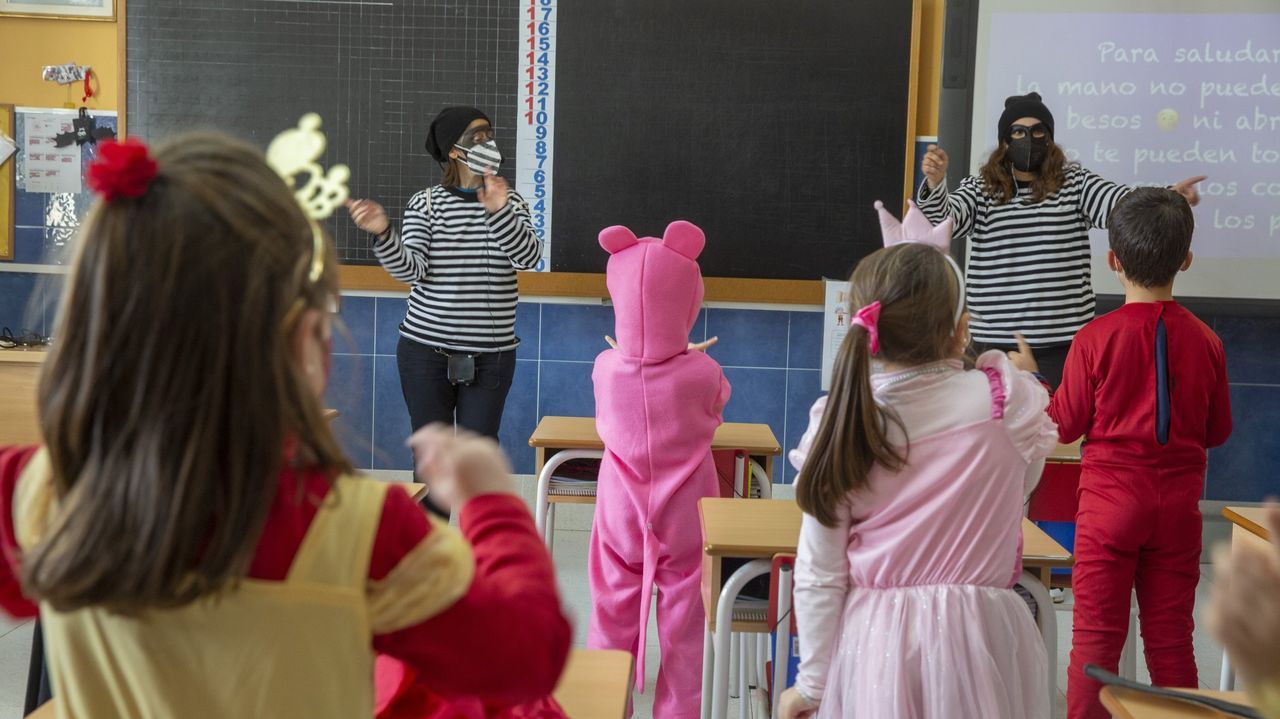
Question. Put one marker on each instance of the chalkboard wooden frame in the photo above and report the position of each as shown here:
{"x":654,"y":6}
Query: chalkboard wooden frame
{"x":592,"y":285}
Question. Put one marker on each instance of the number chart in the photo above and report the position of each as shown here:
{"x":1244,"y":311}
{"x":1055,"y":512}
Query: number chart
{"x":535,"y":119}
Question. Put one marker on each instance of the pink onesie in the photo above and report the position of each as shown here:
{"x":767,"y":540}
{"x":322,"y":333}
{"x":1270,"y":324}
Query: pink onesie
{"x":657,"y":408}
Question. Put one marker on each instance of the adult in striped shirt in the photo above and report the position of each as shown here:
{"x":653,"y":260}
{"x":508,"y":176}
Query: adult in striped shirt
{"x":1027,"y":216}
{"x":458,"y":247}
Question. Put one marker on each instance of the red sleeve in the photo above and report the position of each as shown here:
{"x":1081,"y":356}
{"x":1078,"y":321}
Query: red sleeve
{"x":1219,"y":426}
{"x":12,"y":600}
{"x":402,"y":526}
{"x":1071,"y":406}
{"x":506,"y":639}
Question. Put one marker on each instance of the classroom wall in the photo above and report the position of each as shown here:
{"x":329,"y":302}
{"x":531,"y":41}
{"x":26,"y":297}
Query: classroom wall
{"x":28,"y":44}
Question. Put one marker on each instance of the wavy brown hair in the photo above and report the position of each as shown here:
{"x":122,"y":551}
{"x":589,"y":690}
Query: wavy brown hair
{"x":917,"y":291}
{"x":172,"y":392}
{"x":997,"y":174}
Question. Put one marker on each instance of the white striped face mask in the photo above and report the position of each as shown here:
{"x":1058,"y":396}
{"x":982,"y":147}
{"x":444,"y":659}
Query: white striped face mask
{"x":483,"y":158}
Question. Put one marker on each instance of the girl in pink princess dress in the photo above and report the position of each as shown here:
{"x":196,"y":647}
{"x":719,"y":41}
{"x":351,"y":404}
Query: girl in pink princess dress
{"x":912,"y":477}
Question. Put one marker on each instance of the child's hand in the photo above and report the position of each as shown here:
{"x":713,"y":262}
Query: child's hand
{"x":702,"y":346}
{"x":793,"y":706}
{"x":1243,"y":612}
{"x":1187,"y":188}
{"x":493,"y":193}
{"x":461,"y":466}
{"x":1022,"y":358}
{"x":368,"y":216}
{"x":612,"y":342}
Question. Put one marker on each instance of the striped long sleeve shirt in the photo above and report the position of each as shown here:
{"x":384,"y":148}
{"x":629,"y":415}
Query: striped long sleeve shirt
{"x":461,"y":262}
{"x":1029,"y":268}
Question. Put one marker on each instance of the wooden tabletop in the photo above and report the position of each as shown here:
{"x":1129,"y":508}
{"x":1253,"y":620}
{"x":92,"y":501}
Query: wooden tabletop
{"x":580,"y":433}
{"x":26,"y":355}
{"x":761,"y":528}
{"x":1066,"y":453}
{"x":596,"y":684}
{"x":1250,"y":518}
{"x":1128,"y":704}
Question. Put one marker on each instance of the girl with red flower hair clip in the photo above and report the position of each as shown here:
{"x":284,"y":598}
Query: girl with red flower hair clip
{"x":194,"y":538}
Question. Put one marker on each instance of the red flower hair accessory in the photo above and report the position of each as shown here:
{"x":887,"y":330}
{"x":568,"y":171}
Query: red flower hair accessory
{"x":122,"y":169}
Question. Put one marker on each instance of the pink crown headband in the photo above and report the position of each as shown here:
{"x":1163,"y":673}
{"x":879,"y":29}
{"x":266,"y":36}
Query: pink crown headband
{"x":915,"y":227}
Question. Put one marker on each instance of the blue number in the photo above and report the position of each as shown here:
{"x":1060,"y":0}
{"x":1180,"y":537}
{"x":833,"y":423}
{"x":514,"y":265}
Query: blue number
{"x":542,"y":264}
{"x":540,"y":147}
{"x":543,"y":88}
{"x":539,"y":175}
{"x":542,"y":161}
{"x":541,"y":117}
{"x":546,"y":14}
{"x":543,"y":73}
{"x":544,"y":29}
{"x":543,"y":59}
{"x":544,"y":43}
{"x":540,"y":131}
{"x":546,"y":3}
{"x":539,"y":222}
{"x":540,"y":205}
{"x":539,"y":191}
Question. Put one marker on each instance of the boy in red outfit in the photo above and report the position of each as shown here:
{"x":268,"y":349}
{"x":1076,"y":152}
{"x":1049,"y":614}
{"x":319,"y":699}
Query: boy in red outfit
{"x":1147,"y":387}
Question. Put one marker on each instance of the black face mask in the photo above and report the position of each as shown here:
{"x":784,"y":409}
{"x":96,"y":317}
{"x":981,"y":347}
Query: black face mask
{"x":1028,"y":153}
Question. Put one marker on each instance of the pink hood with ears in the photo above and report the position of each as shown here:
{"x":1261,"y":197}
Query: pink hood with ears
{"x":656,"y":287}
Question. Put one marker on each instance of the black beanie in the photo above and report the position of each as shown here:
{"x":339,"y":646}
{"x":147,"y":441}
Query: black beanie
{"x":1028,"y":105}
{"x":448,"y":127}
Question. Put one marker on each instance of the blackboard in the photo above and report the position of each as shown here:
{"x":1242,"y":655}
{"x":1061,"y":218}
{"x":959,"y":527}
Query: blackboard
{"x":773,"y":125}
{"x":375,"y":70}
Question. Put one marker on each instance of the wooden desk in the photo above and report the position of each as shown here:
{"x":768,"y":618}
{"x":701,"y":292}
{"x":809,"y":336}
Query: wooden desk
{"x":19,"y":373}
{"x":561,"y":439}
{"x":1128,"y":704}
{"x":1065,"y":453}
{"x":596,"y":684}
{"x":554,"y":434}
{"x":762,"y":529}
{"x":1248,"y":528}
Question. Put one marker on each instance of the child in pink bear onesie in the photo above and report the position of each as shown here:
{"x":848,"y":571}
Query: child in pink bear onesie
{"x":658,"y":404}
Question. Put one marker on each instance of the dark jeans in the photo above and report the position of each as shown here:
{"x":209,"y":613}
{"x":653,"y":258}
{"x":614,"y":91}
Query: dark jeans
{"x":1051,"y":359}
{"x":431,"y":398}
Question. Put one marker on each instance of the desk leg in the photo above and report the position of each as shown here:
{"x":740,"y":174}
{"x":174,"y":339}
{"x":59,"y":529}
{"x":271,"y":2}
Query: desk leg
{"x":724,"y":630}
{"x":1047,"y":618}
{"x":782,"y":647}
{"x":708,"y":659}
{"x":1227,"y":682}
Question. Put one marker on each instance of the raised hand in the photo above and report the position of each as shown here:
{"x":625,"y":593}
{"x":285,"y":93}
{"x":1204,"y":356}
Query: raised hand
{"x":493,"y":193}
{"x":1022,"y":358}
{"x":368,"y":215}
{"x":934,"y":166}
{"x":1187,"y":188}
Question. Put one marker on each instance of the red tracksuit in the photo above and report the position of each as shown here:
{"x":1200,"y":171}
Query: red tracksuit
{"x":1147,"y":387}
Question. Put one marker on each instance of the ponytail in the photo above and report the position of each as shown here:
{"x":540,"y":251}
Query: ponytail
{"x":852,"y":437}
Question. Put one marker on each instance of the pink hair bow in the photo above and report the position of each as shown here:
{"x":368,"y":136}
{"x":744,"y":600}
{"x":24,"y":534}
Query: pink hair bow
{"x":869,"y":318}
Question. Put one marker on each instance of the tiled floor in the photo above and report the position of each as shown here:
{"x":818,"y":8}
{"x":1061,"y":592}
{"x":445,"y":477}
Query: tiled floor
{"x":571,"y":543}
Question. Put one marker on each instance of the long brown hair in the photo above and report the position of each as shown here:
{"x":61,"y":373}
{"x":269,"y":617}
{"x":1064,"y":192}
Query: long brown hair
{"x":997,"y":175}
{"x":172,"y":392}
{"x":917,"y":293}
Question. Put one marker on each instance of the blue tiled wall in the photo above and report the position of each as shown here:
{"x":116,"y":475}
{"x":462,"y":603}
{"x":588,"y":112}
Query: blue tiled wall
{"x":770,"y":357}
